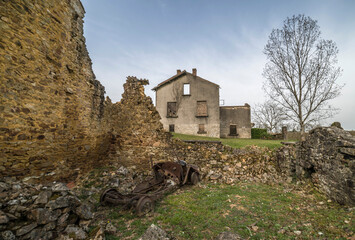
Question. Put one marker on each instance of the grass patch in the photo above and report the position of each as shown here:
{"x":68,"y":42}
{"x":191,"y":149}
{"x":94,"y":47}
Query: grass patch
{"x":235,"y":143}
{"x":254,"y":211}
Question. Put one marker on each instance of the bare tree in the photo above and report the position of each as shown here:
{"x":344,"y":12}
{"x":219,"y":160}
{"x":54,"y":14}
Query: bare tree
{"x":301,"y":71}
{"x":269,"y":115}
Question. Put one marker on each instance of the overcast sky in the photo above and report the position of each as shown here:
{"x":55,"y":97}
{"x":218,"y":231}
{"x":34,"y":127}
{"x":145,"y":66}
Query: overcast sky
{"x":223,"y":39}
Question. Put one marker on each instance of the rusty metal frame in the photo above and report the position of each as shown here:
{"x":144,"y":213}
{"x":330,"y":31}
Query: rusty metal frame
{"x":146,"y":193}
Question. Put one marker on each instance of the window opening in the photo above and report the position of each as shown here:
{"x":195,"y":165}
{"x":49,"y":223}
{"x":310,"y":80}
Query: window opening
{"x":172,"y":109}
{"x":201,"y":129}
{"x":201,"y":110}
{"x":171,"y":128}
{"x":186,"y":88}
{"x":233,"y":130}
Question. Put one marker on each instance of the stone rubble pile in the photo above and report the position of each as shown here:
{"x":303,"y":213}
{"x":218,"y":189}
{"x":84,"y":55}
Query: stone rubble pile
{"x":41,"y":212}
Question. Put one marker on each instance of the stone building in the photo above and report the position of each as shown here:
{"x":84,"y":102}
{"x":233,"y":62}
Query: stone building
{"x":189,"y":104}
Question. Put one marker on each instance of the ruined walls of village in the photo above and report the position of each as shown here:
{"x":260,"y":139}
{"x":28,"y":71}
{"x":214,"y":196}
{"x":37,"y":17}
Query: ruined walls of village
{"x":136,"y":128}
{"x":327,"y":157}
{"x":50,"y":102}
{"x":53,"y":116}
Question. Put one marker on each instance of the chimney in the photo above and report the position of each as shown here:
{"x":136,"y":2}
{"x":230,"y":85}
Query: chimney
{"x":178,"y":71}
{"x":194,"y":71}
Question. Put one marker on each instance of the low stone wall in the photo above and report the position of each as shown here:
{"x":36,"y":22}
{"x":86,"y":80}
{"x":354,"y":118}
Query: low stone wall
{"x":41,"y":212}
{"x":327,"y":157}
{"x":224,"y":164}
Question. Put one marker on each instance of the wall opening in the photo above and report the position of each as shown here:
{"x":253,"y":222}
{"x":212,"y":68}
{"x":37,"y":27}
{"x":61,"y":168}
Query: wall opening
{"x":201,"y":129}
{"x":309,"y":171}
{"x":171,"y":109}
{"x":233,"y":130}
{"x":186,"y":88}
{"x":201,"y":110}
{"x":171,"y":128}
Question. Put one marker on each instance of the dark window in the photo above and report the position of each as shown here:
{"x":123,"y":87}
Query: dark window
{"x":171,"y":112}
{"x":233,"y":130}
{"x":186,"y":88}
{"x":201,"y":129}
{"x":171,"y":128}
{"x":201,"y":110}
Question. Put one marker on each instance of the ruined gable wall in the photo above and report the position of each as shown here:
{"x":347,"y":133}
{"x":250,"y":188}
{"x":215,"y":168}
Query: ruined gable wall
{"x":50,"y":103}
{"x":135,"y":125}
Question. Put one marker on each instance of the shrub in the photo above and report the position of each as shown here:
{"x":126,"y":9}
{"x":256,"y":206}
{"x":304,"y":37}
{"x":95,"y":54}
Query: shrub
{"x":258,"y":133}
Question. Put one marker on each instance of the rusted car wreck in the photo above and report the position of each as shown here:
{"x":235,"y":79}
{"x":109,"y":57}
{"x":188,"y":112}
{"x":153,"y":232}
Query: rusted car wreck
{"x":167,"y":176}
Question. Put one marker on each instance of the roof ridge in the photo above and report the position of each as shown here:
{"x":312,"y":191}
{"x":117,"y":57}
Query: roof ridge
{"x":178,"y":75}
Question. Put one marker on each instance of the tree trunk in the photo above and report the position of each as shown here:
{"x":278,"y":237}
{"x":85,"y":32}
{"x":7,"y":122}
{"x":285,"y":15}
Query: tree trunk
{"x":303,"y":135}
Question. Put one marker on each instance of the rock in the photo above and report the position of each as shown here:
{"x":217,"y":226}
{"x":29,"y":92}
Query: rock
{"x":73,"y":202}
{"x":75,"y":232}
{"x":59,"y":187}
{"x":69,"y":90}
{"x":215,"y":176}
{"x":60,"y":202}
{"x":7,"y":235}
{"x":3,"y":187}
{"x":154,"y":233}
{"x":228,"y":236}
{"x":110,"y":228}
{"x":62,"y":220}
{"x":49,"y":226}
{"x":122,"y":170}
{"x":84,"y":224}
{"x":99,"y":235}
{"x":156,"y":144}
{"x":25,"y":229}
{"x":47,"y":236}
{"x":84,"y":212}
{"x":3,"y":218}
{"x":16,"y":187}
{"x":70,"y":185}
{"x":13,"y":202}
{"x":297,"y":232}
{"x":44,"y":216}
{"x":43,"y":197}
{"x":35,"y":234}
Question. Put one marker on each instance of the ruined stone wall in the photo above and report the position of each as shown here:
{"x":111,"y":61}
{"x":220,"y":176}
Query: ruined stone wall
{"x":135,"y":126}
{"x":327,"y":157}
{"x":50,"y":103}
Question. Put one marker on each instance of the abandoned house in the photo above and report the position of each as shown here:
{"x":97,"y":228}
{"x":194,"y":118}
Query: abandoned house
{"x":189,"y":104}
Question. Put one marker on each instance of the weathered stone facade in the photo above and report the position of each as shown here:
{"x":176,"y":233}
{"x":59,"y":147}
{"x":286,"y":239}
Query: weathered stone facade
{"x":237,"y":117}
{"x":189,"y":104}
{"x":186,"y":118}
{"x":54,"y":120}
{"x":327,"y":157}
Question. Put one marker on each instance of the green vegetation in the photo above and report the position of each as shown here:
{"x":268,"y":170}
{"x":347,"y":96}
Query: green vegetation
{"x":236,"y":143}
{"x":254,"y":211}
{"x":258,"y":133}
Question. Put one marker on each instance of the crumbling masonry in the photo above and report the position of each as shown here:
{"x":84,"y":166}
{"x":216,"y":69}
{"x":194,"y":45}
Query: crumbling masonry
{"x":53,"y":115}
{"x":56,"y":124}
